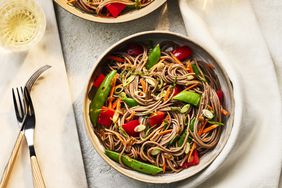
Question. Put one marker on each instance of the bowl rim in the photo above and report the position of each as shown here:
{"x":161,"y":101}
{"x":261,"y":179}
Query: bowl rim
{"x":227,"y":69}
{"x":120,"y":19}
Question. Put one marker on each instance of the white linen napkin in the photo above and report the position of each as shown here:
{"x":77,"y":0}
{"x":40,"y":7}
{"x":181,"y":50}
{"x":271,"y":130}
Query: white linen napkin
{"x":56,"y":138}
{"x":229,"y":29}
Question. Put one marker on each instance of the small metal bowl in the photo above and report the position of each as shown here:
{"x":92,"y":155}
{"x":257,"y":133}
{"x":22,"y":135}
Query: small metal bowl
{"x":230,"y":101}
{"x":131,"y":15}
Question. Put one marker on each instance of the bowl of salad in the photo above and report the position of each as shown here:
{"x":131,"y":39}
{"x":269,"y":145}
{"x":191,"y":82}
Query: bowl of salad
{"x":110,"y":11}
{"x":159,"y":108}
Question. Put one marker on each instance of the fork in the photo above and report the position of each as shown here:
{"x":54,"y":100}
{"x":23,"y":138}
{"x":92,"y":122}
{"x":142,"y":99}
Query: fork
{"x":29,"y":126}
{"x":20,"y":114}
{"x":35,"y":76}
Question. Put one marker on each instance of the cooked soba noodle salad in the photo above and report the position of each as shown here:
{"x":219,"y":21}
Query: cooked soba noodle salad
{"x":108,"y":8}
{"x":158,"y":108}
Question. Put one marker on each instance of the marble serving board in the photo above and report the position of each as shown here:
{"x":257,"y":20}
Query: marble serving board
{"x":56,"y":139}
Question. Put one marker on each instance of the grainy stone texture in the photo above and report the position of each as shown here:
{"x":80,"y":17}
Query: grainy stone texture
{"x":83,"y":41}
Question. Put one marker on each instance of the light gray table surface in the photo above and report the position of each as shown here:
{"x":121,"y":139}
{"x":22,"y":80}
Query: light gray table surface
{"x":82,"y":42}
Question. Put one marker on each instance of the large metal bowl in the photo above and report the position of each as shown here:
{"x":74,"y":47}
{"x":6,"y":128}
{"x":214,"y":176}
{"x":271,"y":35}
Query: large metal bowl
{"x":132,"y":15}
{"x":230,"y":102}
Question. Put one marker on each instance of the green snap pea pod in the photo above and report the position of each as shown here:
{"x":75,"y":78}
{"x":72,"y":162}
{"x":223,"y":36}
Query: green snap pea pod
{"x":191,"y":126}
{"x":183,"y":135}
{"x":100,"y":97}
{"x":134,"y":164}
{"x":154,"y":57}
{"x":129,"y":101}
{"x":197,"y":72}
{"x":215,"y":123}
{"x":195,"y":69}
{"x":188,"y":97}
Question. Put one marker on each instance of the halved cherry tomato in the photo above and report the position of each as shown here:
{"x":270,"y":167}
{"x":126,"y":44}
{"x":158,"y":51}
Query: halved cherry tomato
{"x":156,"y":118}
{"x":105,"y":117}
{"x":177,"y":90}
{"x":220,"y":95}
{"x":134,"y":49}
{"x":130,"y":126}
{"x":115,"y":8}
{"x":193,"y":161}
{"x":99,"y":80}
{"x":182,"y":52}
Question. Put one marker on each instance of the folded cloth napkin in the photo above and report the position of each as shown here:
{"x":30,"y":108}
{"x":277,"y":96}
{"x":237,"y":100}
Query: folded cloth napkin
{"x":230,"y":30}
{"x":56,"y":138}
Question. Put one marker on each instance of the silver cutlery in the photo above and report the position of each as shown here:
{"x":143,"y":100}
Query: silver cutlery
{"x":29,"y":126}
{"x":35,"y":76}
{"x":20,"y":114}
{"x":20,"y":111}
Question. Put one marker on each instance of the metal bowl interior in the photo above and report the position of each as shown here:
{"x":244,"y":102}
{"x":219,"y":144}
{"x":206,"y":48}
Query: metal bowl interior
{"x":131,"y":15}
{"x":200,"y":53}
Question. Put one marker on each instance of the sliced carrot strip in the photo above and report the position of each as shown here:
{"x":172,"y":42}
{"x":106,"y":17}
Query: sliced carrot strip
{"x":131,"y":116}
{"x":113,"y":85}
{"x":143,"y":84}
{"x":176,"y":60}
{"x":115,"y":104}
{"x":200,"y":132}
{"x":191,"y":151}
{"x":191,"y":87}
{"x":225,"y":112}
{"x":165,"y":132}
{"x":164,"y":167}
{"x":189,"y":67}
{"x":208,"y":129}
{"x":167,"y":94}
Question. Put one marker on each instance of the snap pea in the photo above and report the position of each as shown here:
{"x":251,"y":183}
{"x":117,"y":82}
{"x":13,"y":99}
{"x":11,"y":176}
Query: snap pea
{"x":100,"y":97}
{"x":188,"y":97}
{"x":215,"y":123}
{"x":195,"y":69}
{"x":154,"y":57}
{"x":183,"y":135}
{"x":197,"y":72}
{"x":134,"y":164}
{"x":129,"y":101}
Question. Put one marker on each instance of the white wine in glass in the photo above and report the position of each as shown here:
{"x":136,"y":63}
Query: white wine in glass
{"x":22,"y":24}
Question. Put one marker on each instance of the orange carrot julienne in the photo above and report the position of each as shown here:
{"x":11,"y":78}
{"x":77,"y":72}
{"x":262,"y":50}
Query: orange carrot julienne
{"x":208,"y":129}
{"x":168,"y":92}
{"x":200,"y":132}
{"x":113,"y":85}
{"x":131,"y":116}
{"x":165,"y":132}
{"x":224,"y":112}
{"x":115,"y":104}
{"x":189,"y":67}
{"x":191,"y":87}
{"x":191,"y":151}
{"x":176,"y":60}
{"x":164,"y":167}
{"x":143,"y":84}
{"x":118,"y":104}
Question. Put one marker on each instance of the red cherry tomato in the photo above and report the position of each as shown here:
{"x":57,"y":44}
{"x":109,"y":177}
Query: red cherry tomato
{"x":194,"y":160}
{"x":98,"y":80}
{"x":105,"y":117}
{"x":156,"y":118}
{"x":177,"y":90}
{"x":115,"y":8}
{"x":220,"y":95}
{"x":134,"y":49}
{"x":130,"y":126}
{"x":182,"y":53}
